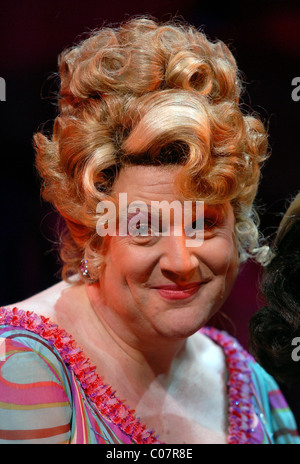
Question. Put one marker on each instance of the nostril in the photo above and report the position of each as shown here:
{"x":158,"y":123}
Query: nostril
{"x":179,"y":262}
{"x":179,"y":276}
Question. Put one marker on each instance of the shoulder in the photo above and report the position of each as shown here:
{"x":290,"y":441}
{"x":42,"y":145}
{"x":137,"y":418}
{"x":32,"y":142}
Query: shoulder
{"x":34,"y":380}
{"x":44,"y":302}
{"x":25,"y":336}
{"x":251,"y":385}
{"x":61,"y":303}
{"x":31,"y":330}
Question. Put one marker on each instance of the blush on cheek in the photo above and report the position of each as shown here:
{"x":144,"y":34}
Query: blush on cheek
{"x":127,"y":262}
{"x":219,"y":255}
{"x":223,"y":263}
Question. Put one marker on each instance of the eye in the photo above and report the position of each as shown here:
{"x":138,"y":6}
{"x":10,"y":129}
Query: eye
{"x":142,"y":233}
{"x":139,"y":229}
{"x":210,"y":223}
{"x":206,"y":224}
{"x":144,"y":230}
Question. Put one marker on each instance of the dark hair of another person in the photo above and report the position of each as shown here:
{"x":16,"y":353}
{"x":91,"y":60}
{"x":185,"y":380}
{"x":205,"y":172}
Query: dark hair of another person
{"x":274,"y":326}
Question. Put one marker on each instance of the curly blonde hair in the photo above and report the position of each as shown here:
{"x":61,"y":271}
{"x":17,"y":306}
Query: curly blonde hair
{"x":148,"y":93}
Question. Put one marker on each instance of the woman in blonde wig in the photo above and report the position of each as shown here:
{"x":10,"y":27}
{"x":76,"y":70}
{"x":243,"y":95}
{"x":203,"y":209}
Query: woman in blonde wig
{"x":119,"y":351}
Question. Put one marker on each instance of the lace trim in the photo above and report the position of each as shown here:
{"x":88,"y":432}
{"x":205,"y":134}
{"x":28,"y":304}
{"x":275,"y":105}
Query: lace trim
{"x":96,"y":390}
{"x":240,"y":390}
{"x":114,"y":409}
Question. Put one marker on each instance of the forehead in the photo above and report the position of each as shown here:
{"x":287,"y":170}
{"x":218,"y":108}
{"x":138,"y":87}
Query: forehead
{"x":147,"y":181}
{"x":150,"y":183}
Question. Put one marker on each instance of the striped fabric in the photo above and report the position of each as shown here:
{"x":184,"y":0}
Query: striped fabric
{"x":41,"y":401}
{"x":49,"y":392}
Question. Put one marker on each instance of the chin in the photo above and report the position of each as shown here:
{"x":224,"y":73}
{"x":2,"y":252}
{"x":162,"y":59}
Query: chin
{"x":181,"y":326}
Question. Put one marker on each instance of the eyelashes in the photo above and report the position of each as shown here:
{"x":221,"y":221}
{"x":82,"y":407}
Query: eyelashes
{"x":142,"y":230}
{"x":207,"y":224}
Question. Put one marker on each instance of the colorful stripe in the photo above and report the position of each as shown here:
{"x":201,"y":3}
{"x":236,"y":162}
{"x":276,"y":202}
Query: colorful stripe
{"x":33,"y":434}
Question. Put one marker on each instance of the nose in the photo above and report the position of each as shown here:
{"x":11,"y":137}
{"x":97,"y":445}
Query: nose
{"x":178,"y":262}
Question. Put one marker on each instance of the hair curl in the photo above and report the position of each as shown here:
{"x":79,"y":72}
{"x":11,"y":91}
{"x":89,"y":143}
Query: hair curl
{"x":149,"y":92}
{"x":274,"y":326}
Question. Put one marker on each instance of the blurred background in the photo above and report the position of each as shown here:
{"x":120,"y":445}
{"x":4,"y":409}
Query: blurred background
{"x":265,"y":39}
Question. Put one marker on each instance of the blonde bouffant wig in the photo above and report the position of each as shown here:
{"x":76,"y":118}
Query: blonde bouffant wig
{"x":149,"y":93}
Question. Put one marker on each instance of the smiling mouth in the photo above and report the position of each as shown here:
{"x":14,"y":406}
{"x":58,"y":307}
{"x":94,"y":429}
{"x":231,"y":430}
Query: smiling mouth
{"x":176,"y":292}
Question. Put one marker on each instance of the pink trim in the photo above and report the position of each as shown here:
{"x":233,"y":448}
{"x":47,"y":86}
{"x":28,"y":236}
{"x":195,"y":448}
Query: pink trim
{"x":115,"y":410}
{"x":240,"y":387}
{"x":99,"y":393}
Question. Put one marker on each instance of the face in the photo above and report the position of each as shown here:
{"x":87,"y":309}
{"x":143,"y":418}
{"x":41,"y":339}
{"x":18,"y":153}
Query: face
{"x":156,"y":286}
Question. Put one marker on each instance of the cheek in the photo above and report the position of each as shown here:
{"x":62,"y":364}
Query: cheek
{"x":130,"y":262}
{"x":222,"y":261}
{"x":220,"y":254}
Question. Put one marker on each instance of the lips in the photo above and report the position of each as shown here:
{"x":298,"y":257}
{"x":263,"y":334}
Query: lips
{"x":178,"y":292}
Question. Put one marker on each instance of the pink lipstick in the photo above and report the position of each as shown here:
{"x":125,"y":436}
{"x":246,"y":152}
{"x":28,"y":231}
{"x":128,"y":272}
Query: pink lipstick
{"x":176,"y":292}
